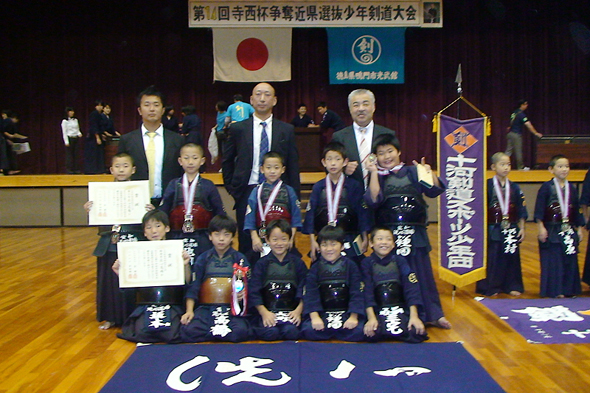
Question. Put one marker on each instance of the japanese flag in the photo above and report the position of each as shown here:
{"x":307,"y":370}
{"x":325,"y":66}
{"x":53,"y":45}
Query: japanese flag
{"x":252,"y":55}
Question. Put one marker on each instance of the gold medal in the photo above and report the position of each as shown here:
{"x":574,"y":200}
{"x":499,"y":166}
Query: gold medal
{"x":187,"y":226}
{"x":262,"y":231}
{"x":565,"y":226}
{"x":505,"y":222}
{"x":116,"y":229}
{"x":333,"y":223}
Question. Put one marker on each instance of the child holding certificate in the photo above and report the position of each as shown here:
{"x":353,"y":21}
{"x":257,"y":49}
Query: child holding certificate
{"x":271,"y":200}
{"x":111,"y":306}
{"x":191,"y":202}
{"x":395,"y":195}
{"x":219,"y":290}
{"x":557,"y":213}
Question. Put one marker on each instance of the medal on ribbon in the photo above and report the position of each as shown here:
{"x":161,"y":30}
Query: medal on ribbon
{"x":264,"y":209}
{"x":188,"y":192}
{"x":333,"y":199}
{"x":564,"y":198}
{"x":504,"y":201}
{"x":116,"y":233}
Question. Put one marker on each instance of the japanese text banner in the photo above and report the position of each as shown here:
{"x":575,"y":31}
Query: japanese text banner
{"x":257,"y":13}
{"x":462,"y":212}
{"x":368,"y":56}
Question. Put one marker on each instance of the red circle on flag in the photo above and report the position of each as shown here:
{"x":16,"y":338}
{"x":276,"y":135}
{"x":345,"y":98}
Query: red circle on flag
{"x":252,"y":54}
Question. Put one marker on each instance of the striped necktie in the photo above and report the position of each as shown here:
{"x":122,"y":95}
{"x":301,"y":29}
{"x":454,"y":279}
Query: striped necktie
{"x":150,"y":154}
{"x":364,"y":152}
{"x":263,"y":150}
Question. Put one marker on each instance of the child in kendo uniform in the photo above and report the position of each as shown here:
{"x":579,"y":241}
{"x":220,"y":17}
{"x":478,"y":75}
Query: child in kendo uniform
{"x":557,"y":213}
{"x":584,"y":203}
{"x":392,"y":293}
{"x":163,"y":303}
{"x":276,"y":287}
{"x":395,"y":196}
{"x":333,"y":303}
{"x":506,"y":218}
{"x":337,"y":200}
{"x":189,"y":221}
{"x":113,"y":305}
{"x":216,"y":300}
{"x":271,"y":200}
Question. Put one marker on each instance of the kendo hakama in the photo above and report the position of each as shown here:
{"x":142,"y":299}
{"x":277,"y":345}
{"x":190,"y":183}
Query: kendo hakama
{"x":156,"y":317}
{"x":212,"y":292}
{"x":560,"y":274}
{"x":585,"y":201}
{"x":503,"y":272}
{"x":401,"y":207}
{"x":286,"y":206}
{"x":334,"y":291}
{"x":112,"y":303}
{"x":391,"y":288}
{"x":279,"y":287}
{"x":206,"y":204}
{"x":352,"y":216}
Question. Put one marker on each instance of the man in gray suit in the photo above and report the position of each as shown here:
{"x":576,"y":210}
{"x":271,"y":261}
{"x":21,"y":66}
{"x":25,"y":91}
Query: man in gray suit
{"x":359,"y":137}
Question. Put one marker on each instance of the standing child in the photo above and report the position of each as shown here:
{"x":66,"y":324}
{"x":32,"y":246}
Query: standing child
{"x":156,"y":317}
{"x":191,"y":202}
{"x":276,"y":287}
{"x":557,"y":213}
{"x":506,"y":217}
{"x":395,"y":195}
{"x":71,"y":134}
{"x":111,"y":306}
{"x":219,"y":290}
{"x":271,"y":200}
{"x":337,"y":201}
{"x":333,"y":299}
{"x":392,"y":293}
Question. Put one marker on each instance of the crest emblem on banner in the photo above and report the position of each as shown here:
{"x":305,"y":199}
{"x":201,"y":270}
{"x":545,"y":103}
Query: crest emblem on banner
{"x":366,"y":49}
{"x":460,"y":140}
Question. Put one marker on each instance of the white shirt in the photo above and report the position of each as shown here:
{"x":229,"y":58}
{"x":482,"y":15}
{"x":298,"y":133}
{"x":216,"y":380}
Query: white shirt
{"x":159,"y":141}
{"x":256,"y":136}
{"x":70,"y":128}
{"x":359,"y":136}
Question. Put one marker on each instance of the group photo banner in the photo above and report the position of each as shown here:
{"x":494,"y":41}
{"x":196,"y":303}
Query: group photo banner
{"x":462,"y":209}
{"x":369,"y":56}
{"x":311,"y":14}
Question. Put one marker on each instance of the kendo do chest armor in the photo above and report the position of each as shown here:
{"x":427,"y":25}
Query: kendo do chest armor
{"x":346,"y":217}
{"x":159,"y":295}
{"x":201,"y":211}
{"x":495,"y":211}
{"x":388,"y":289}
{"x":279,"y":290}
{"x":552,"y":210}
{"x":216,"y":287}
{"x":280,"y":207}
{"x":334,"y":290}
{"x":403,"y":203}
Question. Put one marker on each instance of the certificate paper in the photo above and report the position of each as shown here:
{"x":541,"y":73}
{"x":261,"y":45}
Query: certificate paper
{"x":118,"y":202}
{"x":150,"y":264}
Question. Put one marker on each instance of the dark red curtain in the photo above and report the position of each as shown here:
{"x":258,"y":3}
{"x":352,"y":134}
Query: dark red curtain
{"x":72,"y":53}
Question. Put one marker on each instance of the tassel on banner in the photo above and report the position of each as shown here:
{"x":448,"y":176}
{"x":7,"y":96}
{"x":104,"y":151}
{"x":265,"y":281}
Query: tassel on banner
{"x":436,"y":122}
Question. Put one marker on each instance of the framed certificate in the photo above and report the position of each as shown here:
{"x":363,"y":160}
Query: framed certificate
{"x":118,"y":202}
{"x":150,"y":264}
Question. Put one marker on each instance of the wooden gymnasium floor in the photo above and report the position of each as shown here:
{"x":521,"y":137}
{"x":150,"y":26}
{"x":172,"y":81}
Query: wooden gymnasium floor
{"x":50,"y":341}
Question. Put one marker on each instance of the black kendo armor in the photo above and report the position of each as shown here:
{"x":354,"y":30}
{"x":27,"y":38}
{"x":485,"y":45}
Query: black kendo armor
{"x":346,"y":217}
{"x":334,"y":291}
{"x":388,"y":288}
{"x":403,"y":204}
{"x":280,"y":287}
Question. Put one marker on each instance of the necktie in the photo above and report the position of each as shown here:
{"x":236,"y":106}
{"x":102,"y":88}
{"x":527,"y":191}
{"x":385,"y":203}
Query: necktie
{"x":150,"y":154}
{"x":263,"y":150}
{"x":364,"y":151}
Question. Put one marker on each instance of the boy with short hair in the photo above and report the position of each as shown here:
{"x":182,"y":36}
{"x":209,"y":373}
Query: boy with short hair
{"x":338,"y":201}
{"x":165,"y":302}
{"x":219,"y":290}
{"x":506,"y":218}
{"x":191,"y":202}
{"x":392,"y":293}
{"x":557,"y":213}
{"x":111,"y":306}
{"x":333,"y":299}
{"x":276,"y":287}
{"x":395,"y":196}
{"x":271,"y":200}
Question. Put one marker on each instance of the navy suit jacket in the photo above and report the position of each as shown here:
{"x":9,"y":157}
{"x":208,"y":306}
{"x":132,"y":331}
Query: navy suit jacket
{"x":347,"y":137}
{"x":238,"y":153}
{"x":132,"y":144}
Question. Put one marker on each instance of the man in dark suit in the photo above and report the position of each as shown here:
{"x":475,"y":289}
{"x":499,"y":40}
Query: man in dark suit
{"x":359,"y":137}
{"x":152,"y":135}
{"x":241,"y":154}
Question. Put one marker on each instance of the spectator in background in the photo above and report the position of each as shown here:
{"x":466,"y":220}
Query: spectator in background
{"x":330,"y":123}
{"x":302,"y":119}
{"x":191,"y":125}
{"x":170,"y":121}
{"x":238,"y":111}
{"x":93,"y":146}
{"x":71,"y":133}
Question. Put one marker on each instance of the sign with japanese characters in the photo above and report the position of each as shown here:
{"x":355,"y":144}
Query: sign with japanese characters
{"x":546,"y":321}
{"x":302,"y":367}
{"x":462,"y":210}
{"x":150,"y":264}
{"x":257,"y":13}
{"x":118,"y":202}
{"x":366,"y":55}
